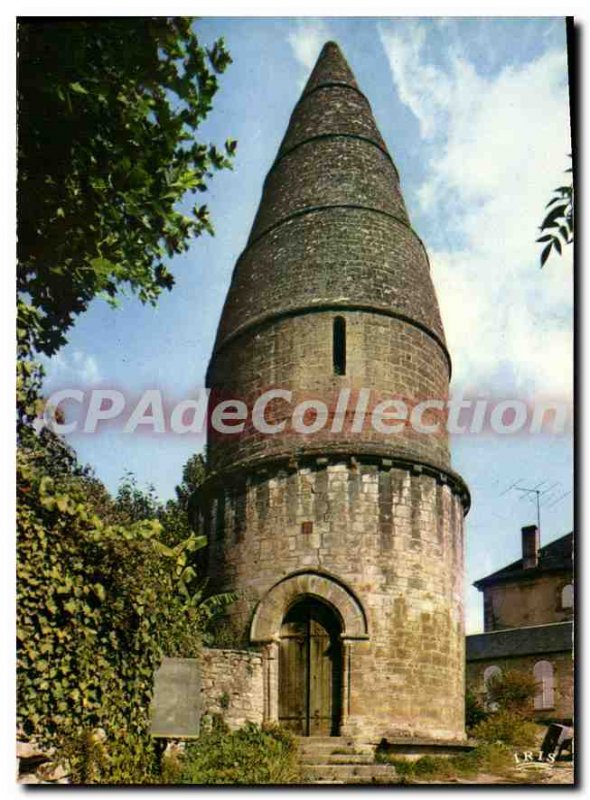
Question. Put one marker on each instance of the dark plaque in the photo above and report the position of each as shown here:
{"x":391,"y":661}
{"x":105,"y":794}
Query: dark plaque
{"x":176,"y":705}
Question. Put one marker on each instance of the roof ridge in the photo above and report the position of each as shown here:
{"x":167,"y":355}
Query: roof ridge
{"x":523,"y":628}
{"x":514,"y":568}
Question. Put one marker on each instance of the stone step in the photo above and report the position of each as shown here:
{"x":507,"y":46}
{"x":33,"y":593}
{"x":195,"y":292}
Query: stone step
{"x":327,"y":750}
{"x":336,"y":758}
{"x":336,"y":740}
{"x":352,"y":773}
{"x":331,"y":744}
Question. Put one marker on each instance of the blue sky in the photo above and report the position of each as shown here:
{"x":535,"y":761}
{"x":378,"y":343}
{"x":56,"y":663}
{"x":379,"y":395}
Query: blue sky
{"x":475,"y":114}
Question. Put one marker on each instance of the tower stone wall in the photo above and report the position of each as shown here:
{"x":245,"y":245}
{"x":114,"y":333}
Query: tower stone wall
{"x":384,"y":354}
{"x":371,"y":523}
{"x":395,"y":538}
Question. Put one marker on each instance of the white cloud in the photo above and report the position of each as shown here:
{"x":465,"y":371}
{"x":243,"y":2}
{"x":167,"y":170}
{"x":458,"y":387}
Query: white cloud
{"x":496,"y":147}
{"x":76,"y":367}
{"x":421,"y":86}
{"x":307,"y":40}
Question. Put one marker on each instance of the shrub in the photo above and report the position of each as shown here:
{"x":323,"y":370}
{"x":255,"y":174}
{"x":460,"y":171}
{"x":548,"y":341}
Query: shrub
{"x":250,"y":755}
{"x":512,"y":690}
{"x":474,"y":711}
{"x":507,"y":727}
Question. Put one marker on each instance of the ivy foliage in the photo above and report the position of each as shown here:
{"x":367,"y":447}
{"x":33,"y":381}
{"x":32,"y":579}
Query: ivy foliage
{"x":98,"y":604}
{"x":108,"y":114}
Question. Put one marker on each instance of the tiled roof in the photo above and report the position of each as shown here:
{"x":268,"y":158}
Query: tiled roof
{"x":553,"y":638}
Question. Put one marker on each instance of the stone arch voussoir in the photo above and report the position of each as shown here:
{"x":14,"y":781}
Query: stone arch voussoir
{"x":272,"y":608}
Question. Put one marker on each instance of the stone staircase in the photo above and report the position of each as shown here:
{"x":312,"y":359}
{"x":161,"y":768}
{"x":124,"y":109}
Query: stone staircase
{"x":339,"y":760}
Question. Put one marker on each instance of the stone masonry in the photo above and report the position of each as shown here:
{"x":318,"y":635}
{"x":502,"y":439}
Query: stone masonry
{"x":370,"y":524}
{"x":231,"y":685}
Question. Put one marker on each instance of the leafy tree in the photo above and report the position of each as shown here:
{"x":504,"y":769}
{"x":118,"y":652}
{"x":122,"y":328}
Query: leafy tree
{"x":108,"y":112}
{"x":177,"y":540}
{"x":52,"y":455}
{"x":559,"y":221}
{"x":193,"y":475}
{"x":133,"y":503}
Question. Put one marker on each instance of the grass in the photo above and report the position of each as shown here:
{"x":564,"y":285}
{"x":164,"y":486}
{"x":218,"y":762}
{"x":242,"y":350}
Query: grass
{"x":496,"y":759}
{"x":500,"y":735}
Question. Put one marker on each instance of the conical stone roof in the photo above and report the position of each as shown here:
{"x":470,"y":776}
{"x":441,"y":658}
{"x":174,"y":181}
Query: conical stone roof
{"x":331,"y":230}
{"x":331,"y":68}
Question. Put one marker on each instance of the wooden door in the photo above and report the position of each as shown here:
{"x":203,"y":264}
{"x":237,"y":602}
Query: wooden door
{"x":310,"y":670}
{"x":293,"y":675}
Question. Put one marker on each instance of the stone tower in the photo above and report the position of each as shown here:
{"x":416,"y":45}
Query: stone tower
{"x":345,"y":546}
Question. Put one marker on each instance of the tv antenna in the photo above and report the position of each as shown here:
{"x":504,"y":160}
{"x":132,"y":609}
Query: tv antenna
{"x":536,"y":491}
{"x":551,"y":495}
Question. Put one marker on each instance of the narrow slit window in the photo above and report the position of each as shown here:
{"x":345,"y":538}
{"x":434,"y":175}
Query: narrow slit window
{"x":339,"y":346}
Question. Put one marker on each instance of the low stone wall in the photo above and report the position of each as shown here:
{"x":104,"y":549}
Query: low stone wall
{"x":232,"y":685}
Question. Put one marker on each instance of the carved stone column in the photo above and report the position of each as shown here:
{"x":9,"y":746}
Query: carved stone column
{"x":271,"y":681}
{"x":346,"y":674}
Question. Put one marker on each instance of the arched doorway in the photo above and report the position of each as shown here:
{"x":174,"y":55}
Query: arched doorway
{"x":310,"y":669}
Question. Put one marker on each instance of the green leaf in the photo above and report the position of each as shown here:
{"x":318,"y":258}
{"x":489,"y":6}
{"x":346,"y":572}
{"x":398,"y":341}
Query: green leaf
{"x":62,"y":502}
{"x":100,"y":592}
{"x":71,"y":606}
{"x":550,"y":219}
{"x":78,"y":88}
{"x":545,"y":255}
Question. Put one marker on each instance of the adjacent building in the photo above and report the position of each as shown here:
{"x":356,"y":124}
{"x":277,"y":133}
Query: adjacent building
{"x":528,"y":623}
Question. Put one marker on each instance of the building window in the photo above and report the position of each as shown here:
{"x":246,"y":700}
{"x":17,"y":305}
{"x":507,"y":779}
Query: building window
{"x":543,"y":672}
{"x":489,"y":673}
{"x":339,"y":346}
{"x":567,"y":596}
